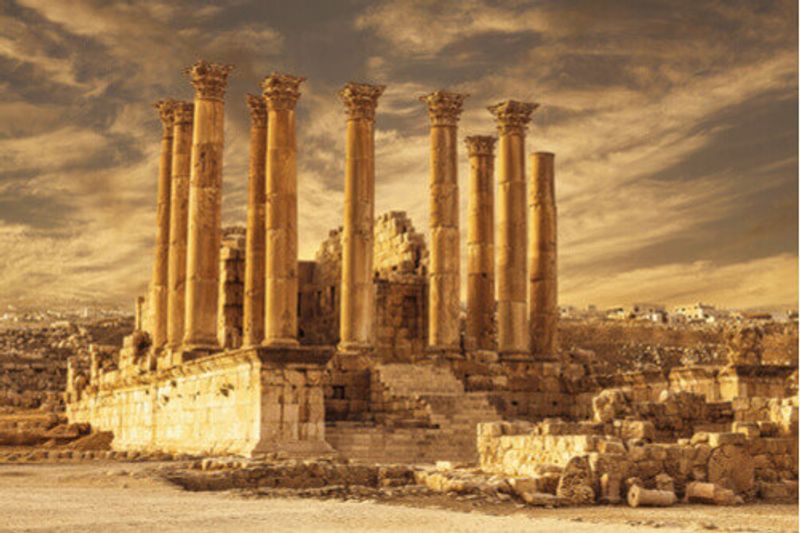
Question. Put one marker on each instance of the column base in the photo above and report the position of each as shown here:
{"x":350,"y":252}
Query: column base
{"x":294,"y":355}
{"x":515,"y":356}
{"x":287,"y":342}
{"x":191,"y":352}
{"x":354,"y":348}
{"x":452,"y":352}
{"x":483,"y":356}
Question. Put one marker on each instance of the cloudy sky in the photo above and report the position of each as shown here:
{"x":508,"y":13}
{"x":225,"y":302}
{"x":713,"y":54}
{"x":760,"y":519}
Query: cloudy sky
{"x":674,"y":125}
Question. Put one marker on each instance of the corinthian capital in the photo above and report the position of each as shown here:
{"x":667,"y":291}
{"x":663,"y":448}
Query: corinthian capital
{"x":361,"y":99}
{"x":444,"y":108}
{"x":209,"y":79}
{"x":513,"y":116}
{"x":184,"y":112}
{"x":480,"y":144}
{"x":166,"y":110}
{"x":258,"y":110}
{"x":281,"y":91}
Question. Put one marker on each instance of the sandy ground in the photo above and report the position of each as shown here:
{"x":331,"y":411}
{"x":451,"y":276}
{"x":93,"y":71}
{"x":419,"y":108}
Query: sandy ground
{"x":100,"y":496}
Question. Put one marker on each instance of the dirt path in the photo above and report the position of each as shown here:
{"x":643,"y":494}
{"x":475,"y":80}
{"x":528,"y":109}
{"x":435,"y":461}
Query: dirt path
{"x":122,"y":497}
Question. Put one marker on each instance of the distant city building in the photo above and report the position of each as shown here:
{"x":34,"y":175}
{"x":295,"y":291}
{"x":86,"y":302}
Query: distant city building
{"x":649,"y":311}
{"x":567,"y":311}
{"x":617,"y":313}
{"x":756,"y":315}
{"x":699,"y":312}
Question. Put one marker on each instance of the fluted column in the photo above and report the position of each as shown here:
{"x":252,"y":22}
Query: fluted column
{"x":543,"y":300}
{"x":179,"y":221}
{"x":254,"y":270}
{"x":444,"y":293}
{"x":161,"y":262}
{"x":512,"y":316}
{"x":358,"y":291}
{"x":205,"y":206}
{"x":480,"y":243}
{"x":281,"y":92}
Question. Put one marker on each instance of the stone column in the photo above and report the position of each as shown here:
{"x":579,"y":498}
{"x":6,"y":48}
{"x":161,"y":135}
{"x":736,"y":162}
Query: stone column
{"x":179,"y":221}
{"x":512,"y":316}
{"x":543,"y":300}
{"x":161,"y":263}
{"x":138,"y":314}
{"x":480,"y":244}
{"x":254,"y":273}
{"x":281,"y":92}
{"x":358,"y":290}
{"x":205,"y":206}
{"x":444,"y":292}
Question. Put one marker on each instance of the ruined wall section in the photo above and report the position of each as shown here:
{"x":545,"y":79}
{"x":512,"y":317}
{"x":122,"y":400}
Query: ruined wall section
{"x":400,"y":266}
{"x":231,"y":288}
{"x":401,"y":262}
{"x":320,"y":292}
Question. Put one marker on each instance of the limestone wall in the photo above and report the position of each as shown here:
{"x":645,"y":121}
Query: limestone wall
{"x":236,"y":402}
{"x":204,"y":406}
{"x":231,"y":289}
{"x":746,"y":462}
{"x":400,"y":262}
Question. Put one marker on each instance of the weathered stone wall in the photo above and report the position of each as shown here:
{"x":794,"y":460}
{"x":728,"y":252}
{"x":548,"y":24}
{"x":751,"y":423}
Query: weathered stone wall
{"x":236,"y":402}
{"x":400,"y":262}
{"x":231,"y":289}
{"x":746,"y":464}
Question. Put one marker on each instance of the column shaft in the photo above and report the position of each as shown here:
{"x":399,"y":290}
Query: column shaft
{"x":512,"y":314}
{"x":444,"y":292}
{"x":161,"y":263}
{"x":358,"y":289}
{"x":480,"y":244}
{"x":179,"y":221}
{"x":255,"y":246}
{"x":543,"y":266}
{"x":205,"y":206}
{"x":281,"y":92}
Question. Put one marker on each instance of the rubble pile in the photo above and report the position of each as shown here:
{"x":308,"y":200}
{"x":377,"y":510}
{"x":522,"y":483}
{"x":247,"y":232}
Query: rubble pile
{"x":628,"y":444}
{"x":33,"y":361}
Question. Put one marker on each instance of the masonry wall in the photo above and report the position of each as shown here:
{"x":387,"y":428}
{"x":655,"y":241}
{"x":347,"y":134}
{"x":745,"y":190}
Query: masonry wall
{"x":237,"y":402}
{"x":205,"y":406}
{"x":230,"y":313}
{"x":400,"y":262}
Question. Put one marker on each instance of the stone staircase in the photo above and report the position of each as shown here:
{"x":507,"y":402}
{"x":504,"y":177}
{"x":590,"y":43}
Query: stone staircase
{"x":422,"y":414}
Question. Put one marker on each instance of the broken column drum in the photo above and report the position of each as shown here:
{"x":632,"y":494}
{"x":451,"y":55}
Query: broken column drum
{"x":358,"y":290}
{"x":444,"y":293}
{"x":205,"y":206}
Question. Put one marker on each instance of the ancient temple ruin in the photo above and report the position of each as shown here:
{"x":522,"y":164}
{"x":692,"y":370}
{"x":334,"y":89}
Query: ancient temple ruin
{"x":366,"y":351}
